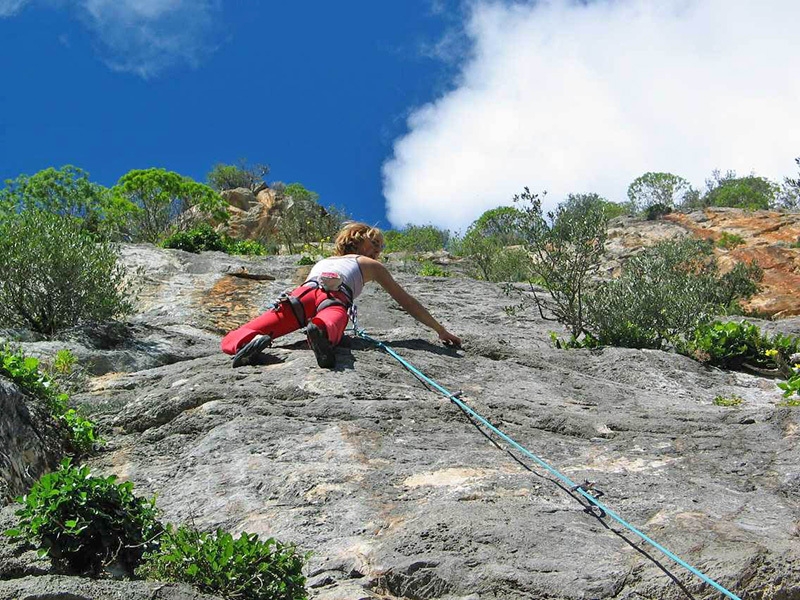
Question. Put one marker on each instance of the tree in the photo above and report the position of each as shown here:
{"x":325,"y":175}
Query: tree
{"x":610,"y":209}
{"x":750,"y":193}
{"x":658,"y":192}
{"x":566,"y":246}
{"x":53,"y":274}
{"x":415,"y":238}
{"x":489,"y":242}
{"x":790,"y":192}
{"x":227,"y":177}
{"x":68,"y":192}
{"x":162,"y":198}
{"x":304,"y":220}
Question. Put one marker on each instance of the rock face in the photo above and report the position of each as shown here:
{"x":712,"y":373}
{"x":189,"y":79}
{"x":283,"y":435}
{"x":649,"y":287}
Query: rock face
{"x":253,"y":216}
{"x":30,"y":444}
{"x":770,"y":238}
{"x":399,"y":494}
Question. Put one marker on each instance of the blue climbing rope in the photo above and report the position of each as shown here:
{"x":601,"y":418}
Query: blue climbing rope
{"x":573,"y":486}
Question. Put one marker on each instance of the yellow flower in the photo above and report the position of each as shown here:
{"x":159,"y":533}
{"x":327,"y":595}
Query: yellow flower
{"x":771,"y":352}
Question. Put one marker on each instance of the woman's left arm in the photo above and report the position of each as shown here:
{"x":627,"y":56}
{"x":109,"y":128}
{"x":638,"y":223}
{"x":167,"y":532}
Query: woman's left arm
{"x":373,"y":270}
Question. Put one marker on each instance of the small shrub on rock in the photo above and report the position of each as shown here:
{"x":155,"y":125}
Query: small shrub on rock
{"x":218,"y":563}
{"x":200,"y":238}
{"x":729,"y":240}
{"x":653,"y":213}
{"x":248,"y":248}
{"x":54,"y":275}
{"x":431,"y":269}
{"x":204,"y":238}
{"x":791,"y":387}
{"x":728,"y":401}
{"x":732,"y":345}
{"x":86,"y":524}
{"x":24,"y":371}
{"x":664,"y":293}
{"x":305,"y":220}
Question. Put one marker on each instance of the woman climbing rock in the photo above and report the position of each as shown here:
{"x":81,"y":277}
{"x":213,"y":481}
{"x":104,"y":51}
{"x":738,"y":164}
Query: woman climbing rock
{"x":321,"y":304}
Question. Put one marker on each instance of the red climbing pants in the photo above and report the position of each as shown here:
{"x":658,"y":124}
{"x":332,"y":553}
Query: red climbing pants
{"x":281,"y":320}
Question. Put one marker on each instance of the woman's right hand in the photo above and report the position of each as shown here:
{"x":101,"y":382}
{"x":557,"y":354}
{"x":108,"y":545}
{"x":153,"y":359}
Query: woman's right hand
{"x":449,"y":339}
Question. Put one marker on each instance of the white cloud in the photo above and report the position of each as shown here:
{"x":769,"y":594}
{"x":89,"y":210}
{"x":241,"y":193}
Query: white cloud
{"x":147,"y":36}
{"x":142,"y":36}
{"x":11,"y":7}
{"x":567,"y":97}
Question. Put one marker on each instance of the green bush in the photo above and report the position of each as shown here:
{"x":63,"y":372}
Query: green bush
{"x":511,"y":264}
{"x":728,"y":401}
{"x":248,"y":248}
{"x":792,"y":386}
{"x":415,"y":238}
{"x":615,"y":209}
{"x":199,"y":238}
{"x":494,"y":245}
{"x":663,"y":293}
{"x":203,"y":237}
{"x":652,"y":213}
{"x":218,"y":563}
{"x":24,"y":371}
{"x":87,"y":524}
{"x":733,"y":344}
{"x":749,"y":193}
{"x":729,"y":240}
{"x":431,"y":269}
{"x":306,"y":260}
{"x":53,"y":275}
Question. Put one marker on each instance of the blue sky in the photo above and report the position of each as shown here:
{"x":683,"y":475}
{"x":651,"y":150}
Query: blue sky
{"x":318,"y":90}
{"x":404,"y":111}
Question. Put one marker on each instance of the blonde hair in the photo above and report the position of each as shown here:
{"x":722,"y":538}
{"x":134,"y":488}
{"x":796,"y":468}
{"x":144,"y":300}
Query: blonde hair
{"x":352,"y":235}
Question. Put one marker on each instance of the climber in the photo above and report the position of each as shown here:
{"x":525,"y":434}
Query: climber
{"x":321,"y":304}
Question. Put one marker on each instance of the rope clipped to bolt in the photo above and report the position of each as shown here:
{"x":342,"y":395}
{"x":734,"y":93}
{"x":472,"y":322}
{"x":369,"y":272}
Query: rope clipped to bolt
{"x":585,"y":489}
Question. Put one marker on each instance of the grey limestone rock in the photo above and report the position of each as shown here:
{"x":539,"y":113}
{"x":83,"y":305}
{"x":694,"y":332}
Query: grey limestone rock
{"x":399,"y":494}
{"x":30,"y":443}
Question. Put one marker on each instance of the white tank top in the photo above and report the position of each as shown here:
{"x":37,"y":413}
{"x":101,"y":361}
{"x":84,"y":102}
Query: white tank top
{"x":348,"y":269}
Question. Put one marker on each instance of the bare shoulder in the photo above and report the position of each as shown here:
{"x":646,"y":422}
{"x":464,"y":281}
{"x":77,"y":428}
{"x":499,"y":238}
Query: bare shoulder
{"x":372,"y":270}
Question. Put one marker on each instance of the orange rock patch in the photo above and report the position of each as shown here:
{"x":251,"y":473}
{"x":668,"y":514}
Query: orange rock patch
{"x":231,"y":302}
{"x":768,"y":239}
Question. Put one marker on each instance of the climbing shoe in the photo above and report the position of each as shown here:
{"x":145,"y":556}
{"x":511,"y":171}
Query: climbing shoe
{"x":321,"y":345}
{"x":251,"y":349}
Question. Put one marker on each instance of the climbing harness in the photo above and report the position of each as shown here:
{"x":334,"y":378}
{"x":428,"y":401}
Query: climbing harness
{"x":327,"y":282}
{"x":586,"y":489}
